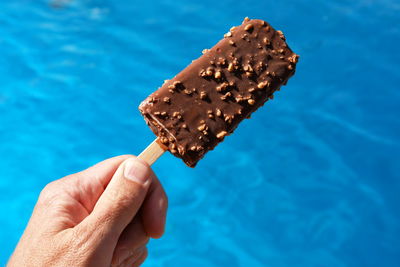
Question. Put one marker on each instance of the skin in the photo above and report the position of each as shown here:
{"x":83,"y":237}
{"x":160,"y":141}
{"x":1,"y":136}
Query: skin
{"x":95,"y":218}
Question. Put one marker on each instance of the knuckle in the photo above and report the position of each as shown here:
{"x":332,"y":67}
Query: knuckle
{"x":142,"y":258}
{"x":48,"y":193}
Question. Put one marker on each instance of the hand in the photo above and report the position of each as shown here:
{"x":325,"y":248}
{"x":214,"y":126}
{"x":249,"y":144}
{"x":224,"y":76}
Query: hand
{"x":102,"y":216}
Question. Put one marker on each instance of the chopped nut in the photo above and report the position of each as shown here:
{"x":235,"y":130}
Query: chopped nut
{"x":171,"y":91}
{"x":221,"y":134}
{"x":231,"y":42}
{"x":225,"y":96}
{"x":203,"y":95}
{"x":293,"y":58}
{"x":239,"y":98}
{"x":221,"y":61}
{"x":266,"y":41}
{"x":249,"y":74}
{"x":193,"y":148}
{"x":205,"y":51}
{"x":232,"y":29}
{"x":177,"y":115}
{"x":218,"y":75}
{"x":164,"y":113}
{"x":164,"y":140}
{"x":209,"y":71}
{"x":199,"y":148}
{"x":187,"y":91}
{"x":202,"y":127}
{"x":157,"y":113}
{"x":229,"y":118}
{"x":281,"y":35}
{"x":177,"y":83}
{"x":184,"y":126}
{"x":181,"y":150}
{"x":228,"y":34}
{"x":230,"y":67}
{"x":247,"y":68}
{"x":262,"y":85}
{"x":218,"y":112}
{"x":260,"y":66}
{"x":249,"y":27}
{"x":166,"y":99}
{"x":222,"y":87}
{"x":246,"y":19}
{"x":202,"y":73}
{"x":251,"y":101}
{"x":251,"y":90}
{"x":290,"y":67}
{"x":235,"y":62}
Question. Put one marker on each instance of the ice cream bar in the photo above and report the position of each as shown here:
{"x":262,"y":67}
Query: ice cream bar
{"x":204,"y":103}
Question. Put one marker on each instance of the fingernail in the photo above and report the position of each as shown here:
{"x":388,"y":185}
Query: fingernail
{"x":137,"y":171}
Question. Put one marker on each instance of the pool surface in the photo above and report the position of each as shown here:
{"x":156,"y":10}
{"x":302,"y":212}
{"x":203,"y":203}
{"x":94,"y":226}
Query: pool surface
{"x":313,"y":179}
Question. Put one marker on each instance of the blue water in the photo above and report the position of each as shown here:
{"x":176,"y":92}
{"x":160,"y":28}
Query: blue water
{"x":311,"y":180}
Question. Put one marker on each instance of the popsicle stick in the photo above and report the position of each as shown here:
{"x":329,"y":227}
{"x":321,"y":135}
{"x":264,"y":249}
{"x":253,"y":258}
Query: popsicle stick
{"x":152,"y":152}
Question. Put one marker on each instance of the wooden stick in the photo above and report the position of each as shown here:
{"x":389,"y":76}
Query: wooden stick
{"x":152,"y":152}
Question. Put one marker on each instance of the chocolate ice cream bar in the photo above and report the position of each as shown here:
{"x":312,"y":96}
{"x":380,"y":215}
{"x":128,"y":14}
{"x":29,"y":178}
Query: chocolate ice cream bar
{"x":204,"y":103}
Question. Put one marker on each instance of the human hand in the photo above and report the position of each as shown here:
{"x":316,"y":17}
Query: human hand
{"x":102,"y":216}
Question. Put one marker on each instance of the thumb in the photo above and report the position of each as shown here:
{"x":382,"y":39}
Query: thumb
{"x":121,"y":199}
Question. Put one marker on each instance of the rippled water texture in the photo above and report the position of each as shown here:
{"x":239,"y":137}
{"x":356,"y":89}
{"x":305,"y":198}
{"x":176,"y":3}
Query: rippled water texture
{"x":311,"y":180}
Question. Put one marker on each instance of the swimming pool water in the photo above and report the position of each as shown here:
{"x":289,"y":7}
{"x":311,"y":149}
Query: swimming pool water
{"x":311,"y":180}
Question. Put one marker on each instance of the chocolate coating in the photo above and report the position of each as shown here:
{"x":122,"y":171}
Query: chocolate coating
{"x":195,"y":110}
